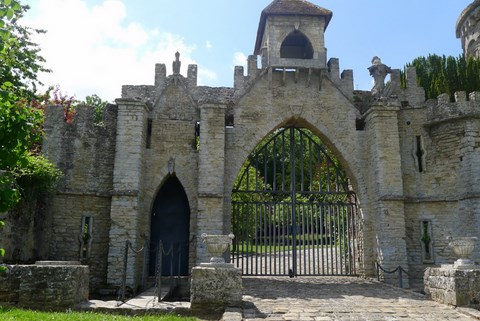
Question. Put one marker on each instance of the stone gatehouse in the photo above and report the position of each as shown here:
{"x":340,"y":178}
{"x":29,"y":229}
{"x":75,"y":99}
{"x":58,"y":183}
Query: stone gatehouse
{"x":164,"y":162}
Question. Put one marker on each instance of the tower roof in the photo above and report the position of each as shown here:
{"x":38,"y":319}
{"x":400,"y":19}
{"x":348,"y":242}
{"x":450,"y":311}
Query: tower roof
{"x":289,"y":8}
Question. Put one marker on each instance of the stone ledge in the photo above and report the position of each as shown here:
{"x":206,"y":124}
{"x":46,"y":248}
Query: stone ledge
{"x":45,"y":287}
{"x":215,"y":287}
{"x":457,"y":287}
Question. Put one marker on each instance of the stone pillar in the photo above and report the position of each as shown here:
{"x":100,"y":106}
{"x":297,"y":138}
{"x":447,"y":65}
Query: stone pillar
{"x":127,"y":178}
{"x":457,"y":287}
{"x":211,"y":173}
{"x":387,"y":214}
{"x":468,"y":182}
{"x":215,"y":286}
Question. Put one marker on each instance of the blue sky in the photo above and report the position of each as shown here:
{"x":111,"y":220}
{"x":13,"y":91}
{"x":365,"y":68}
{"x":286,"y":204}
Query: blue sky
{"x":95,"y":46}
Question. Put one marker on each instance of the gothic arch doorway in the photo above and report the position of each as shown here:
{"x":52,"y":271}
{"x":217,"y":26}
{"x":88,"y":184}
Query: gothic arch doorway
{"x":293,"y":210}
{"x":170,"y":227}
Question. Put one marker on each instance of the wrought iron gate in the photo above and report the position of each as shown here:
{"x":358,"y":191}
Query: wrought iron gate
{"x":293,"y":212}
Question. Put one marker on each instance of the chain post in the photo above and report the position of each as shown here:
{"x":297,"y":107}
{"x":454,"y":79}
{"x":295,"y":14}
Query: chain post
{"x":145,"y":258}
{"x":159,"y":270}
{"x":400,"y":277}
{"x":124,"y":277}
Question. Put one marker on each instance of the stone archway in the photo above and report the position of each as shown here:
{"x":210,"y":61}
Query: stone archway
{"x":293,"y":210}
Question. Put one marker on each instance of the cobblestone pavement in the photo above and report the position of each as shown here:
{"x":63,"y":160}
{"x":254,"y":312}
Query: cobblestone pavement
{"x":336,"y":298}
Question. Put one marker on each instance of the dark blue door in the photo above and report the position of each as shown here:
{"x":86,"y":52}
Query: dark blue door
{"x":170,"y":224}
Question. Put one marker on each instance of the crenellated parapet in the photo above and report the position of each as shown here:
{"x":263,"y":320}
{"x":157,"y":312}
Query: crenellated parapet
{"x":344,"y":80}
{"x":443,"y":110}
{"x":150,"y":93}
{"x":298,"y":74}
{"x":412,"y":96}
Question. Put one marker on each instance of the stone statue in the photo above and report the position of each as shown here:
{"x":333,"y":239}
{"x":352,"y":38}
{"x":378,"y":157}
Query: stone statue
{"x":176,"y":64}
{"x":378,"y":71}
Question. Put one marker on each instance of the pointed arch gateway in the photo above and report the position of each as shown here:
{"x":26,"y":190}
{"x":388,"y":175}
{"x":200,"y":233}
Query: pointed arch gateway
{"x":293,"y":210}
{"x":170,"y":227}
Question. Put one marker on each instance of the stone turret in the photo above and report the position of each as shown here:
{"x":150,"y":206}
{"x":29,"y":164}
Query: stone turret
{"x":291,"y":34}
{"x":468,"y":29}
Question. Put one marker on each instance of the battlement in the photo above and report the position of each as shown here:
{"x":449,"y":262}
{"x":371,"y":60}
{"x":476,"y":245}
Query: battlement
{"x":148,"y":93}
{"x":413,"y":96}
{"x":344,"y":81}
{"x":442,"y":110}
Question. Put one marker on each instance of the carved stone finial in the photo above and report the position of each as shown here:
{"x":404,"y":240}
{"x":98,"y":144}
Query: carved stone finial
{"x":378,"y":71}
{"x":176,"y":64}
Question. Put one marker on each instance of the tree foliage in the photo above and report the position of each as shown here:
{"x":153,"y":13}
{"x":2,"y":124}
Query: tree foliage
{"x":21,"y":61}
{"x":441,"y":74}
{"x":288,"y":163}
{"x":21,"y":123}
{"x":99,"y":105}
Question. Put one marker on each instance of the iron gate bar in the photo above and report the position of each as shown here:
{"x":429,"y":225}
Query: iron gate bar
{"x":302,"y":229}
{"x":293,"y":197}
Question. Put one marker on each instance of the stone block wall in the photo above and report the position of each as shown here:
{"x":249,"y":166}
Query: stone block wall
{"x":441,"y":185}
{"x":452,"y":286}
{"x":45,"y":287}
{"x":66,"y":229}
{"x":84,"y":152}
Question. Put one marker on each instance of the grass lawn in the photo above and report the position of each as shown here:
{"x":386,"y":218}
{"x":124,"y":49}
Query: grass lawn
{"x":13,"y":314}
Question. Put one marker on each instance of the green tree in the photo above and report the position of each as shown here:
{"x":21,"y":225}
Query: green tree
{"x":99,"y":105}
{"x":21,"y":61}
{"x":262,"y":197}
{"x":20,"y":123}
{"x":441,"y":74}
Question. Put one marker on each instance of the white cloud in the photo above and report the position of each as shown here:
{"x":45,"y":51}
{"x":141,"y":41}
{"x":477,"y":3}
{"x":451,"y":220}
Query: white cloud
{"x":92,"y":50}
{"x":240,"y":59}
{"x":205,"y":76}
{"x":208,"y":44}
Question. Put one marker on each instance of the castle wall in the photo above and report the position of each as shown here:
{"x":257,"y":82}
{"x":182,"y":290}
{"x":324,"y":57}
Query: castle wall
{"x":441,"y":185}
{"x":84,"y":152}
{"x":413,"y":164}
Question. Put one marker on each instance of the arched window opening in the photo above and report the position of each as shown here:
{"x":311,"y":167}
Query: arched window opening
{"x":473,"y":48}
{"x":296,"y":45}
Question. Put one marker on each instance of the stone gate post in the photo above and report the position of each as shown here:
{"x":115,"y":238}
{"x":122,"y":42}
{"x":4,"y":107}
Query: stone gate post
{"x":385,"y":182}
{"x":127,"y":178}
{"x":211,"y":174}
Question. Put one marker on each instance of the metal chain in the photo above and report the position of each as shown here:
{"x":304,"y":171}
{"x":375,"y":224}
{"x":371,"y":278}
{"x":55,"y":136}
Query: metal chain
{"x":133,"y":250}
{"x":123,"y":285}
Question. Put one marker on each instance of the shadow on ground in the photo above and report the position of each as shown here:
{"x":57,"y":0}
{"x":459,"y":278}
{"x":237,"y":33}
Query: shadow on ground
{"x":322,"y":288}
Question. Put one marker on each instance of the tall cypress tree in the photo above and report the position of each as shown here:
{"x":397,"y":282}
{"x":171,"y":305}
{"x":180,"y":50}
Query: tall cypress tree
{"x":441,"y":74}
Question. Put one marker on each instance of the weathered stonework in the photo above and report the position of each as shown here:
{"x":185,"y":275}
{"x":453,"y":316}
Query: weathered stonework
{"x":468,"y":29}
{"x":412,"y":163}
{"x":453,"y":286}
{"x":45,"y":287}
{"x":215,"y":287}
